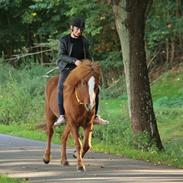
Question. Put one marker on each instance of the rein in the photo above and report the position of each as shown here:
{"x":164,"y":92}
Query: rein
{"x":77,"y":98}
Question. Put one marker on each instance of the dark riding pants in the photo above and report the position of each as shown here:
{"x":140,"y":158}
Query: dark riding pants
{"x":62,"y":77}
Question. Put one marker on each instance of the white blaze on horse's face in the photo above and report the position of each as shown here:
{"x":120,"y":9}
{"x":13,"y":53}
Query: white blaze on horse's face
{"x":91,"y":85}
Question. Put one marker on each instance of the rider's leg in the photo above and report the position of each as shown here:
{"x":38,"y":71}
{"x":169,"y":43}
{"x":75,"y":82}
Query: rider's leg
{"x":62,"y":78}
{"x":98,"y":119}
{"x":96,"y":103}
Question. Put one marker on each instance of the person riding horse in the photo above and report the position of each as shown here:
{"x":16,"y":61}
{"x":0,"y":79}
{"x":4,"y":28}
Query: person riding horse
{"x":73,"y":48}
{"x":80,"y":91}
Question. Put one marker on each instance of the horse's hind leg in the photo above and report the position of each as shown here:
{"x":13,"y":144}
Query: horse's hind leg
{"x":87,"y":139}
{"x":50,"y":121}
{"x":64,"y":143}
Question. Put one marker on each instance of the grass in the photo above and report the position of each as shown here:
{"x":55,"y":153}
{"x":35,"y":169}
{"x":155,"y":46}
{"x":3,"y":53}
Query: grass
{"x":4,"y":179}
{"x":22,"y":105}
{"x":168,"y":86}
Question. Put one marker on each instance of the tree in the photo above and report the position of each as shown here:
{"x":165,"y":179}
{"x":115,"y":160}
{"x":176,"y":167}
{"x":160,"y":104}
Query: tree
{"x":25,"y":23}
{"x":130,"y":16}
{"x":164,"y":32}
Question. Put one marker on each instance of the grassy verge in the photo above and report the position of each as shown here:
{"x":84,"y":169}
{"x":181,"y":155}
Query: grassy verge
{"x":4,"y":179}
{"x":30,"y":132}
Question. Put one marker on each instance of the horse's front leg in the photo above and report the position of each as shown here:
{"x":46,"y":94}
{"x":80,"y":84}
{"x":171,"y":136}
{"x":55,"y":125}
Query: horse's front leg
{"x":78,"y":144}
{"x":64,"y":143}
{"x":87,"y":139}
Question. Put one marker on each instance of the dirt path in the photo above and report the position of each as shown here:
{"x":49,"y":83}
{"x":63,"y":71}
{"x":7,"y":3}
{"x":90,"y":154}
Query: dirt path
{"x":22,"y":158}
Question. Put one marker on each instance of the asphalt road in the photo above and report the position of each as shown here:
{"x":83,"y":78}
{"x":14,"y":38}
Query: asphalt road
{"x":22,"y":158}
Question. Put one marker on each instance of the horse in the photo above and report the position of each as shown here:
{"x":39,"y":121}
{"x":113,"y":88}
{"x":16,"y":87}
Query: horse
{"x":80,"y":89}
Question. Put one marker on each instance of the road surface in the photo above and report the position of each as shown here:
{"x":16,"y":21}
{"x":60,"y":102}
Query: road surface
{"x":22,"y":158}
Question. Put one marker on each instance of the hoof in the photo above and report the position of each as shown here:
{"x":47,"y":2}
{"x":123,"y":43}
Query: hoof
{"x":81,"y":169}
{"x":74,"y":154}
{"x":46,"y":161}
{"x":65,"y":163}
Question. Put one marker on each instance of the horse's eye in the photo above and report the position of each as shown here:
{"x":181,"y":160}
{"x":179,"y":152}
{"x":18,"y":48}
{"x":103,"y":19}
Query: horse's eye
{"x":83,"y":82}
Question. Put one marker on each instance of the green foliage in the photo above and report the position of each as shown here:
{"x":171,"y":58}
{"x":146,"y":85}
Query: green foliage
{"x":10,"y":37}
{"x":174,"y":149}
{"x":24,"y":23}
{"x":111,"y":59}
{"x":142,"y":141}
{"x":33,"y":22}
{"x":21,"y":94}
{"x":164,"y":25}
{"x":29,"y":23}
{"x":167,"y":90}
{"x":118,"y":133}
{"x":172,"y":102}
{"x":116,"y":89}
{"x":5,"y":179}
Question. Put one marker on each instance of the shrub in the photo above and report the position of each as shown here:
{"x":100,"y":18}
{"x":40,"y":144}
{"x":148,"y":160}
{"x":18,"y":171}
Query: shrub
{"x":21,"y":94}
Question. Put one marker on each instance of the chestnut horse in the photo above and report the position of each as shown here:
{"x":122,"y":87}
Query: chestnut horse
{"x":80,"y":90}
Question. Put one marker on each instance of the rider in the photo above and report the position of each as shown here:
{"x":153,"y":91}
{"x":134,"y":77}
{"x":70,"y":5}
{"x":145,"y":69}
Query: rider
{"x":73,"y":48}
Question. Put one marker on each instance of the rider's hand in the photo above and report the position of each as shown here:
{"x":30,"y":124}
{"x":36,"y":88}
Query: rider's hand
{"x":77,"y":62}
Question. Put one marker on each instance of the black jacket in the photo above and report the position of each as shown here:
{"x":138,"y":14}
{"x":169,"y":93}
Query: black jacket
{"x":65,"y":60}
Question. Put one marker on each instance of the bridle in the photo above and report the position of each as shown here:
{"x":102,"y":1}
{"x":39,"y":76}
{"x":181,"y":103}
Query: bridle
{"x":81,"y":103}
{"x":78,"y":100}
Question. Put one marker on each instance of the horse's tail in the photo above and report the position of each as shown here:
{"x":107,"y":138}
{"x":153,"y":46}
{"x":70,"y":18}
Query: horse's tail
{"x":43,"y":125}
{"x":50,"y":89}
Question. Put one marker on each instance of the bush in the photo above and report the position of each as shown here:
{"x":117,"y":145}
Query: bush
{"x":117,"y":89}
{"x":171,"y":102}
{"x":22,"y":99}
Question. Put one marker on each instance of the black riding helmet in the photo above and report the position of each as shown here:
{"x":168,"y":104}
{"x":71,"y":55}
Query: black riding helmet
{"x":78,"y":22}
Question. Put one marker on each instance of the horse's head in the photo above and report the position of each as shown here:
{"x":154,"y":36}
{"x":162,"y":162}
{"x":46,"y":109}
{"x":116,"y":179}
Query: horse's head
{"x":85,"y":83}
{"x":86,"y":92}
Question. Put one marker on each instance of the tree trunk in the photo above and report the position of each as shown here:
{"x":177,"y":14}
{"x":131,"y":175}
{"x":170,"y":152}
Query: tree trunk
{"x":130,"y":23}
{"x":172,"y":51}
